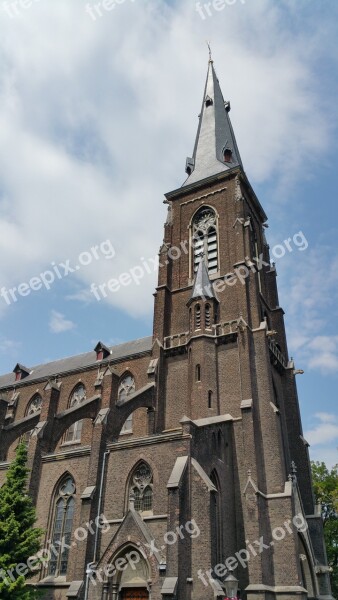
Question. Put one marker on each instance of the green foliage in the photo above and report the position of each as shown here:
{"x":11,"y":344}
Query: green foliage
{"x":325,"y":484}
{"x":19,"y":539}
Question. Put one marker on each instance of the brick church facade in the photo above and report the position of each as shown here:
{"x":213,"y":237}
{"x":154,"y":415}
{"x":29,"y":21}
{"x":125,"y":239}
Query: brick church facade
{"x":188,"y":443}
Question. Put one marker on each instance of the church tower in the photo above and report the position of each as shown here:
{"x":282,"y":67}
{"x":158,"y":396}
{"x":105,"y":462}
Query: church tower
{"x":166,"y":466}
{"x":226,"y":376}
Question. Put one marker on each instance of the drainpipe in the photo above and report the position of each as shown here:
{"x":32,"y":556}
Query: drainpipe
{"x":90,"y":570}
{"x":99,"y":506}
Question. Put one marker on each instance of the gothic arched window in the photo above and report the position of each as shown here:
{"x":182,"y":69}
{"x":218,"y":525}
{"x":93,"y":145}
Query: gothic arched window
{"x":64,"y":504}
{"x":141,"y":487}
{"x":73,"y":434}
{"x":204,"y":237}
{"x":126,"y":388}
{"x":34,"y":406}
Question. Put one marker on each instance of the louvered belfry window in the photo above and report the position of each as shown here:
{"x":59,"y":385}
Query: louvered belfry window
{"x":204,"y":232}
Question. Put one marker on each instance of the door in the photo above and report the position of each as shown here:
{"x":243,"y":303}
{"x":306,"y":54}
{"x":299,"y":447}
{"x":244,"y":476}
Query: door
{"x":135,"y":594}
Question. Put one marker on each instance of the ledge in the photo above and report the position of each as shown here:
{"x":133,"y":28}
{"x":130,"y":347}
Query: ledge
{"x":84,"y":451}
{"x":161,"y":438}
{"x":282,"y":589}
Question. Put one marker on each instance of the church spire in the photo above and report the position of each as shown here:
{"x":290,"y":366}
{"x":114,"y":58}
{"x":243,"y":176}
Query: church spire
{"x":215,"y":148}
{"x":203,"y":288}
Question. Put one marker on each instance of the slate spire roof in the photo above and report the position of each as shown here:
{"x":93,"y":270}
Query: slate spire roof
{"x":215,"y":148}
{"x":203,"y":287}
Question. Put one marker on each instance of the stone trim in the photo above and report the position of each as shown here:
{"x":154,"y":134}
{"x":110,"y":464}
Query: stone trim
{"x":282,"y":589}
{"x":84,"y":451}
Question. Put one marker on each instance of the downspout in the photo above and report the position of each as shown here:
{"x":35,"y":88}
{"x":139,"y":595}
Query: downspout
{"x":99,"y":506}
{"x":91,"y":566}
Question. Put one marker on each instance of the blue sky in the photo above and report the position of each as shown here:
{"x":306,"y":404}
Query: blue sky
{"x":96,"y":120}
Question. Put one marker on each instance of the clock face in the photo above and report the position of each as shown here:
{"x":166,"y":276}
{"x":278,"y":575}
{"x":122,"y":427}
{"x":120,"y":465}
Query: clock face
{"x":206,"y":218}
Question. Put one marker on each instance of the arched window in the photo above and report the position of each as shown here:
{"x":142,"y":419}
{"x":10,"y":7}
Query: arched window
{"x":204,"y":235}
{"x":63,"y":514}
{"x":141,"y":487}
{"x":197,"y":316}
{"x":207,"y":316}
{"x":209,"y":399}
{"x":198,"y":372}
{"x":126,"y":388}
{"x":73,"y":434}
{"x":34,"y":406}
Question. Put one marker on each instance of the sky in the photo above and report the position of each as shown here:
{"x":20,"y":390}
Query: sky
{"x":98,"y":112}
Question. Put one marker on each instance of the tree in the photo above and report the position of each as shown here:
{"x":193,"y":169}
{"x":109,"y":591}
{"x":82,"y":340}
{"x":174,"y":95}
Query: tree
{"x":325,"y":484}
{"x":19,"y":539}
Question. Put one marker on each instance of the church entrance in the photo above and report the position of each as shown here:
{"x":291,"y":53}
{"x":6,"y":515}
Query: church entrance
{"x":135,"y":594}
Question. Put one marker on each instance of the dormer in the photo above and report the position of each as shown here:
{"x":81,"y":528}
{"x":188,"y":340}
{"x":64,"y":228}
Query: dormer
{"x":21,"y":372}
{"x":102,"y":351}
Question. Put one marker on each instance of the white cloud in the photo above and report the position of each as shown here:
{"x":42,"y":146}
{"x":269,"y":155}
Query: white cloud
{"x":323,"y":433}
{"x":326,"y":417}
{"x":96,"y":119}
{"x":58,"y":323}
{"x":9,"y":347}
{"x":311,"y":298}
{"x":324,"y":454}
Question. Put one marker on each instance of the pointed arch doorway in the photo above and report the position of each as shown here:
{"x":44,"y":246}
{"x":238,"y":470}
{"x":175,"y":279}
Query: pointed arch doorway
{"x":133,"y":581}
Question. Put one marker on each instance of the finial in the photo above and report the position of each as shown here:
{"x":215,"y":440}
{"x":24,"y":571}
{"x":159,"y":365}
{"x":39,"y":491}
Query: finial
{"x":210,"y":56}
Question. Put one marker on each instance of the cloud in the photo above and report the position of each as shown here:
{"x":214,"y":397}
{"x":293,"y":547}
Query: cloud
{"x":329,"y":456}
{"x":326,"y":417}
{"x":58,"y":323}
{"x":95,"y":127}
{"x":8,"y":346}
{"x":311,"y":298}
{"x":325,"y":431}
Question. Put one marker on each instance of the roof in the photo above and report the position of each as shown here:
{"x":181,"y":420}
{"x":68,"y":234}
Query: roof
{"x":80,"y":361}
{"x":203,"y":287}
{"x":214,"y":135}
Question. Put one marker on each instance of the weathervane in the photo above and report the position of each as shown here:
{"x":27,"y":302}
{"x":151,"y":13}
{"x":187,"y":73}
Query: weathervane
{"x":210,"y":56}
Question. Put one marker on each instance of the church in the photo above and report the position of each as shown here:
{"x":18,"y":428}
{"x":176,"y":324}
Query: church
{"x":174,"y":466}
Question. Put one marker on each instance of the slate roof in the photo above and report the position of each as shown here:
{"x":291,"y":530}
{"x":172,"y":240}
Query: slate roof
{"x":203,"y":287}
{"x":214,"y":134}
{"x":80,"y":361}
